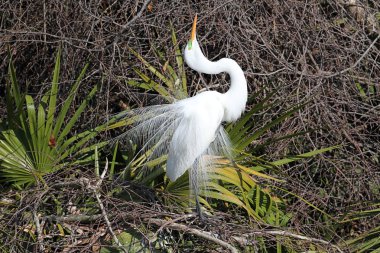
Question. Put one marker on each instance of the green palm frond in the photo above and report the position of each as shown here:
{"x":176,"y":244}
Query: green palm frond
{"x":368,"y":241}
{"x":171,"y":84}
{"x":37,"y":140}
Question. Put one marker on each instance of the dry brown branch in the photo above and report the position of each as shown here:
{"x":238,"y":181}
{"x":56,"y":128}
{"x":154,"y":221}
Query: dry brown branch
{"x":95,"y":188}
{"x":360,"y":11}
{"x":184,"y":217}
{"x":358,"y":61}
{"x":289,"y":234}
{"x":197,"y":232}
{"x":39,"y":232}
{"x":124,"y":27}
{"x":73,"y":218}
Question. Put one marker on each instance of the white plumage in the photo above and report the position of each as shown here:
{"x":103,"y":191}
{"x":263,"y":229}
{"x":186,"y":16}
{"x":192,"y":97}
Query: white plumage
{"x":190,"y":130}
{"x":201,"y":117}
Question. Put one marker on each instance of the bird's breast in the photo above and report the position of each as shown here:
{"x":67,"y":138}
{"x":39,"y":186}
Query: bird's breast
{"x":207,"y":106}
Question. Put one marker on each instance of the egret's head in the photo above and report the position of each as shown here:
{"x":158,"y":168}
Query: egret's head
{"x":194,"y":57}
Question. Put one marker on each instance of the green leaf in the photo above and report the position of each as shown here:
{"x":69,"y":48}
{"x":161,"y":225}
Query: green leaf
{"x":63,"y":113}
{"x":233,"y":176}
{"x":303,"y":156}
{"x":361,"y":90}
{"x":130,"y":240}
{"x":234,"y":129}
{"x":112,"y":169}
{"x":180,"y":65}
{"x":26,"y":153}
{"x":14,"y":94}
{"x":76,"y":115}
{"x":304,"y":200}
{"x":217,"y":191}
{"x":246,"y":141}
{"x":150,"y":84}
{"x":53,"y":94}
{"x":42,"y":136}
{"x":151,"y":68}
{"x":97,"y":172}
{"x":31,"y":110}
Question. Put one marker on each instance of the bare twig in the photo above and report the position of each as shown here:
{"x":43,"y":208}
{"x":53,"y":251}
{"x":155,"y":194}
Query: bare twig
{"x":39,"y":232}
{"x":290,"y":234}
{"x":39,"y":226}
{"x":173,"y":221}
{"x":358,"y":61}
{"x":194,"y":231}
{"x":95,"y":189}
{"x":124,"y":28}
{"x":73,"y":218}
{"x":44,"y":10}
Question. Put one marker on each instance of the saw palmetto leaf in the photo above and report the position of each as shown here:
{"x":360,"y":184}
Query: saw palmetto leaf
{"x":171,"y":83}
{"x":368,"y":241}
{"x":35,"y":140}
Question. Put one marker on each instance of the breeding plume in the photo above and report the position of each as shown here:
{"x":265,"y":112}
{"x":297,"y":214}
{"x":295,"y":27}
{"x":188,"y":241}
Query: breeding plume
{"x":190,"y":131}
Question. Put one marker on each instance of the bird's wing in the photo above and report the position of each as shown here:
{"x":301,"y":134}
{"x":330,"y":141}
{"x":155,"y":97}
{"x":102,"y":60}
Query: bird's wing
{"x":221,"y":146}
{"x":192,"y":137}
{"x":152,"y":128}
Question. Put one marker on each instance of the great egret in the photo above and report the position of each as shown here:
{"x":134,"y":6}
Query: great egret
{"x":190,"y":131}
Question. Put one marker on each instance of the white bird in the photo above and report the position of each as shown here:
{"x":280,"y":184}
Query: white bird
{"x":190,"y":131}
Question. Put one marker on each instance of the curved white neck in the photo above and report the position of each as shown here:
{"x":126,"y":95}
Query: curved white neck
{"x":235,"y":98}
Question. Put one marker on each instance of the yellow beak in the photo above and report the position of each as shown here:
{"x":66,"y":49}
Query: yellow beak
{"x":193,"y":31}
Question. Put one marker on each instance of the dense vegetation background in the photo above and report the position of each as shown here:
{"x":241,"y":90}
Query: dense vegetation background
{"x":323,"y":55}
